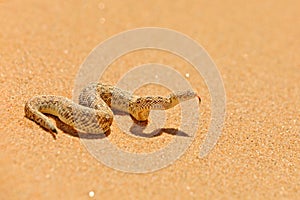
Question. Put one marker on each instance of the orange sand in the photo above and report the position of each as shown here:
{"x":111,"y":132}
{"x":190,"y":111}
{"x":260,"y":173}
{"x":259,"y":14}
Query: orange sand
{"x":256,"y":48}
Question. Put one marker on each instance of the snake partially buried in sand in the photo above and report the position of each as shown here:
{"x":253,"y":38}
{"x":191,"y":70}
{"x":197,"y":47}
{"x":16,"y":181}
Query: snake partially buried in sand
{"x":93,"y":114}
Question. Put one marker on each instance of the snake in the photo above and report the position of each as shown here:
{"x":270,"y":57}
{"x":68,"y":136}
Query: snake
{"x":93,"y":112}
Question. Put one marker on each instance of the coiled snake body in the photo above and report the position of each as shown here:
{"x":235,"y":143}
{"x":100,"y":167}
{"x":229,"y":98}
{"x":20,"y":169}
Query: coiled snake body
{"x":93,"y":114}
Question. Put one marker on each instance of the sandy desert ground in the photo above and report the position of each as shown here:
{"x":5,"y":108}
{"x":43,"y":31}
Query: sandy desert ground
{"x":255,"y":46}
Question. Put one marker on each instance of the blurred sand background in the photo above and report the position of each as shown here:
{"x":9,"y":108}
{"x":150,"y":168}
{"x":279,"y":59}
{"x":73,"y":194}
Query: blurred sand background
{"x":256,"y":47}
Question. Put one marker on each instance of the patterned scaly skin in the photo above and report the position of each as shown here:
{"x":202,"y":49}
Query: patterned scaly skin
{"x":93,"y":114}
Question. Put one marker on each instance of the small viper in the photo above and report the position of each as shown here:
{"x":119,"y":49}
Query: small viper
{"x":93,"y":114}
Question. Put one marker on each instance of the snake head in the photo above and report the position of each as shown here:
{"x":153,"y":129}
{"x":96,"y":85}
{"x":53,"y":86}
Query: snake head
{"x":184,"y":96}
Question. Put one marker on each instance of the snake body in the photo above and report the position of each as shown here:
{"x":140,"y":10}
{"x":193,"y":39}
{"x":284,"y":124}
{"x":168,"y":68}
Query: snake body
{"x":93,"y":114}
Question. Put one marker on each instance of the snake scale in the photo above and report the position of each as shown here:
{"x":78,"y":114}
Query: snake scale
{"x":93,"y":114}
